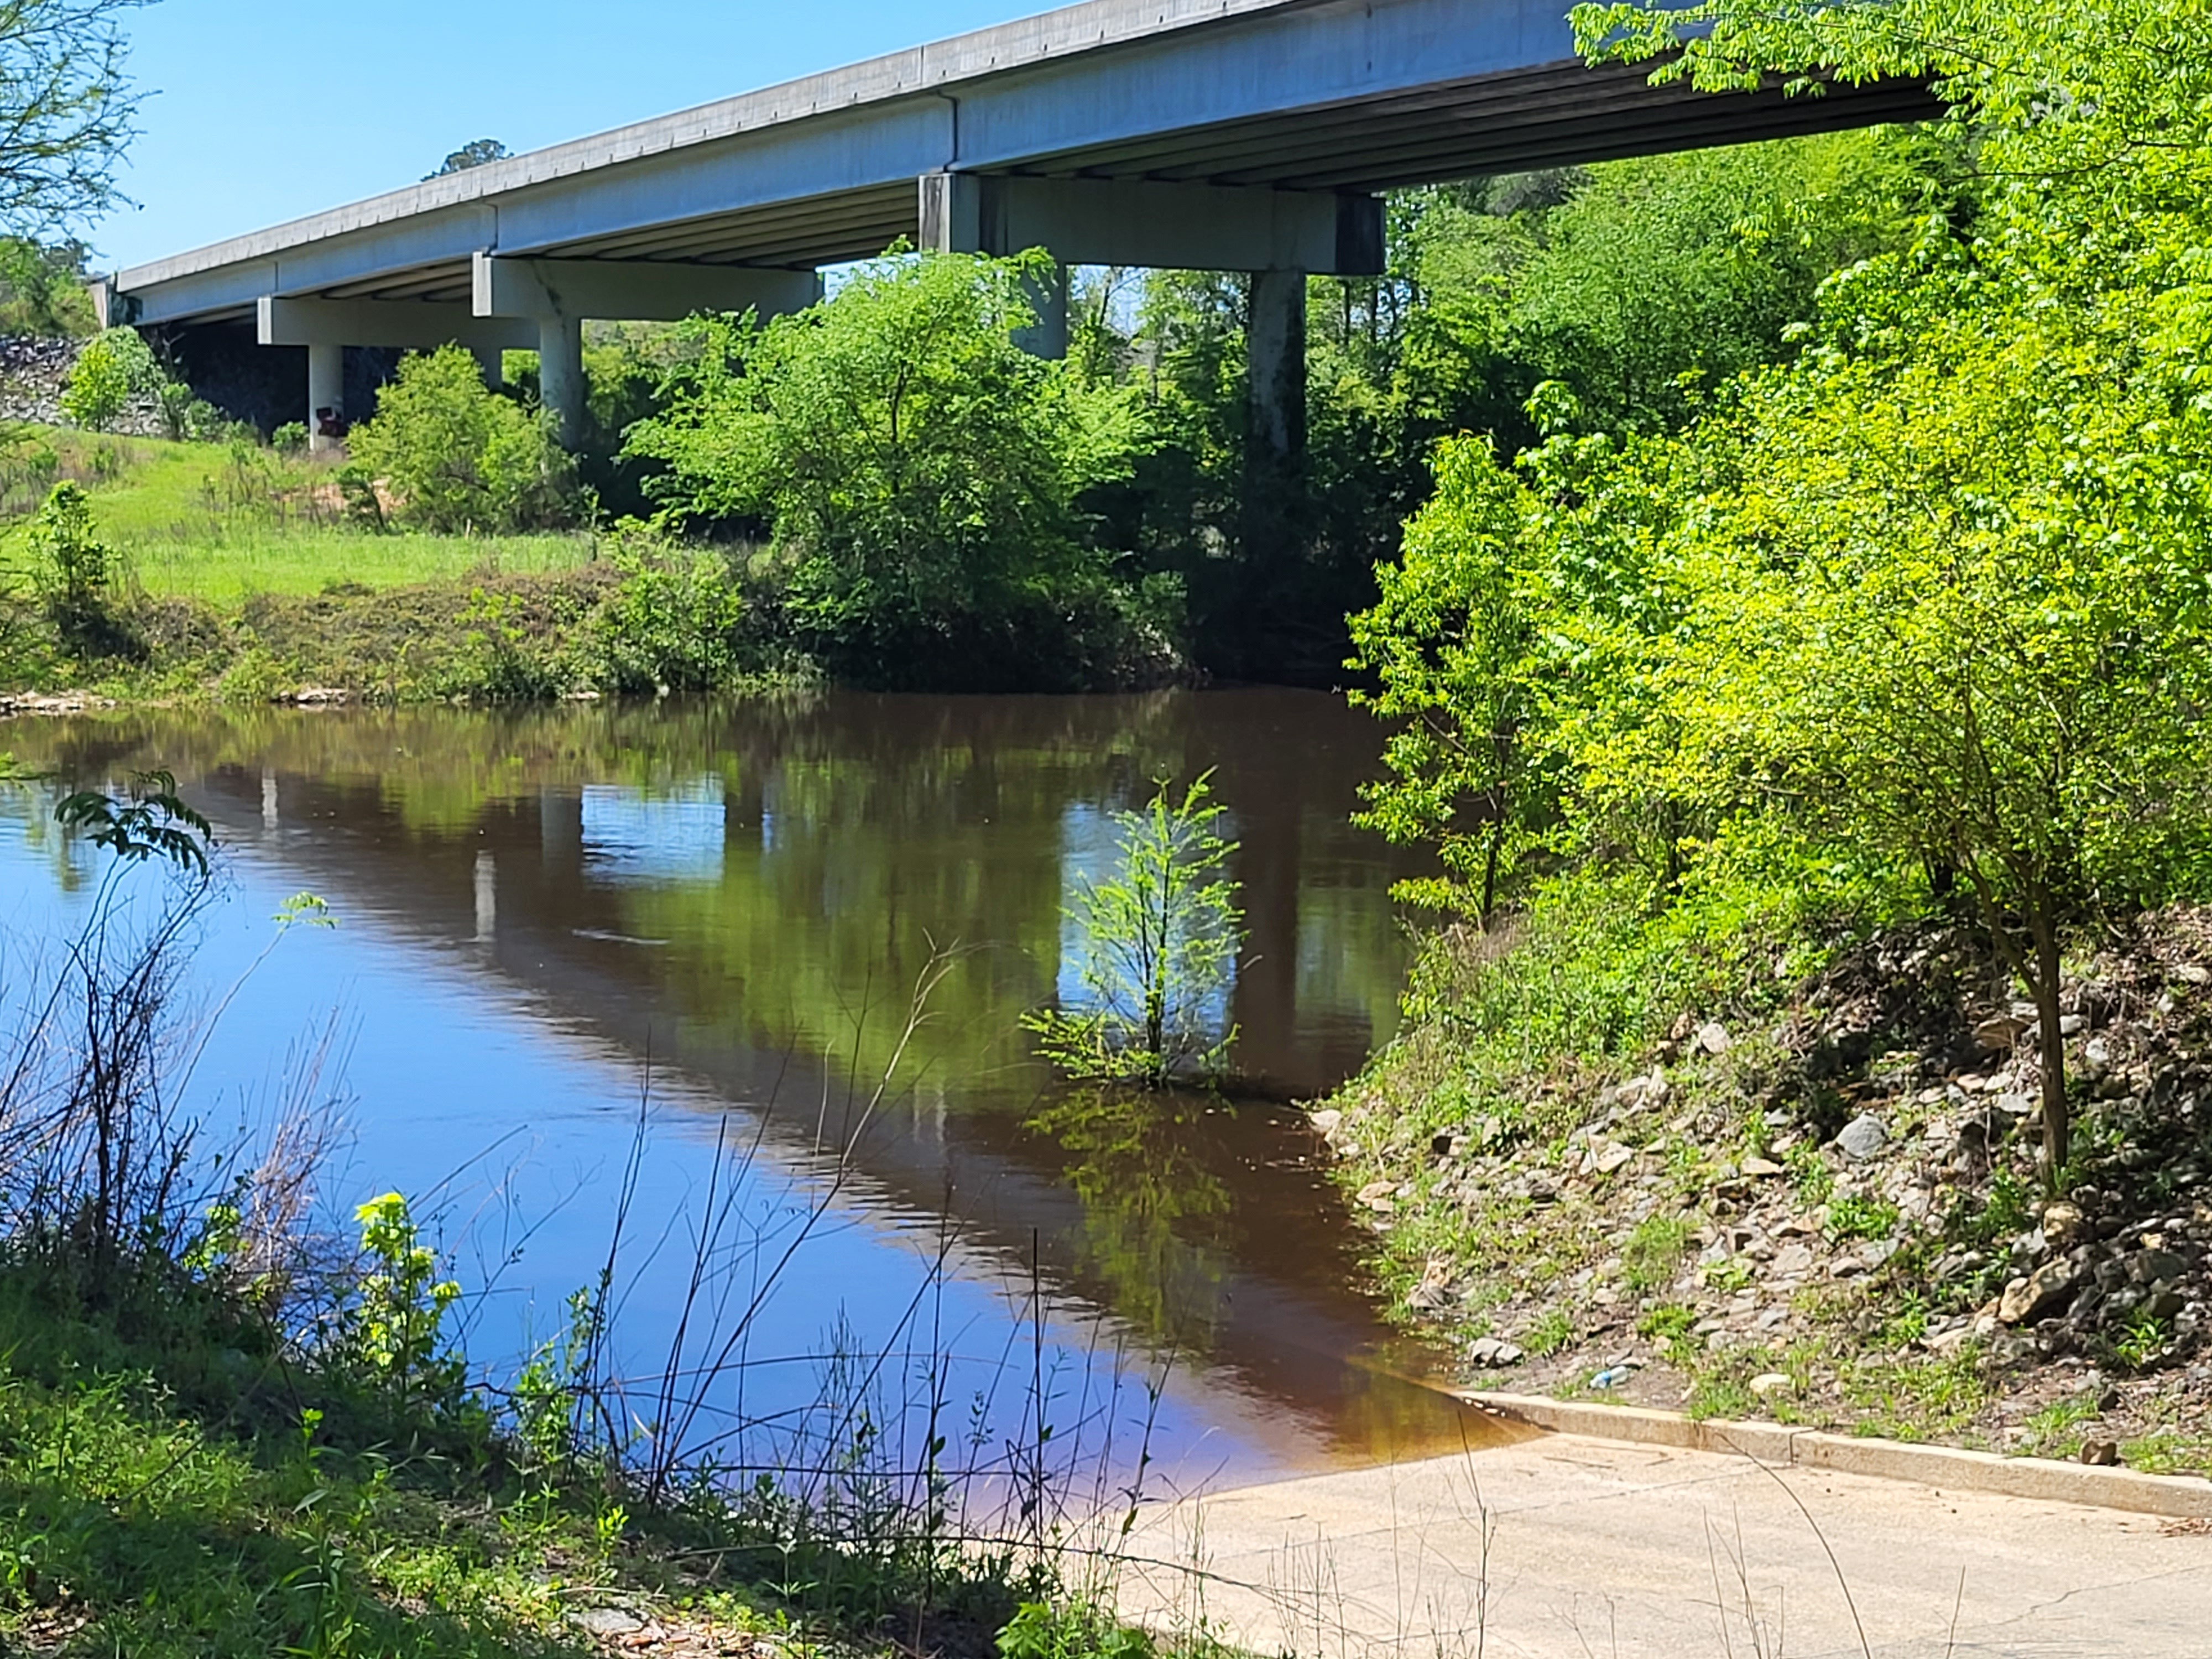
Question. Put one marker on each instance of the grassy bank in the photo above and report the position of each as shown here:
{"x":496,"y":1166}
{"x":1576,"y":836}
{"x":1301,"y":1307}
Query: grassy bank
{"x":225,"y":523}
{"x":241,"y":573}
{"x":1798,"y":1179}
{"x":235,"y":571}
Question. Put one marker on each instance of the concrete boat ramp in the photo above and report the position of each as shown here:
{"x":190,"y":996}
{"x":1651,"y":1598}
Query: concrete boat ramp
{"x":1568,"y":1546}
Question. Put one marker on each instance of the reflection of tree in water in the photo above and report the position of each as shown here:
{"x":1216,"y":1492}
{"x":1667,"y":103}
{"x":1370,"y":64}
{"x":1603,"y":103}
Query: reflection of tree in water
{"x":1134,"y":1159}
{"x":863,"y":833}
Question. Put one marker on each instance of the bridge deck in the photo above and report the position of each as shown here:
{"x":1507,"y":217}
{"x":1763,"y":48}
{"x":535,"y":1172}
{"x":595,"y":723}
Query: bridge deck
{"x":1337,"y":96}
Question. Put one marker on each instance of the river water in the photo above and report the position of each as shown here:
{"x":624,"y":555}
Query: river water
{"x":646,"y":973}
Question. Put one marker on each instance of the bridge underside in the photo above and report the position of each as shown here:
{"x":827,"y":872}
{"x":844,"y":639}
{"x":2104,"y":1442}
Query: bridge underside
{"x":1254,"y":136}
{"x":1566,"y":114}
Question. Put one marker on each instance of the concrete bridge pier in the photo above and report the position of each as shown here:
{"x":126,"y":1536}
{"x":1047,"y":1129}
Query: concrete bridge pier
{"x":327,"y":327}
{"x":1047,"y":295}
{"x":1275,"y":403}
{"x":325,"y":395}
{"x":555,"y":296}
{"x":561,"y":376}
{"x":1278,"y":236}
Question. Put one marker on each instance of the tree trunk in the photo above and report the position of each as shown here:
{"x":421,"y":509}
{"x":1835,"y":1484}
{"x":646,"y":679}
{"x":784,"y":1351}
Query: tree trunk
{"x":2058,"y":1128}
{"x":1490,"y":866}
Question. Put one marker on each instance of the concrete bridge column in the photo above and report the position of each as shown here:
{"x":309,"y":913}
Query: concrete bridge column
{"x":327,"y":327}
{"x":556,"y":295}
{"x":1047,"y":295}
{"x":561,"y":376}
{"x":1275,"y":407}
{"x":325,"y":394}
{"x":491,"y":361}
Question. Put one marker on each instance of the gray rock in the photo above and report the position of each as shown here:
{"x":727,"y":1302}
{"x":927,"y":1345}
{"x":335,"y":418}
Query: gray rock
{"x":1712,"y":1037}
{"x":2154,"y":1266}
{"x":2026,"y":1300}
{"x":2101,"y":1454}
{"x":1862,"y":1138}
{"x":2062,"y":1226}
{"x":1493,"y":1352}
{"x":2164,"y":1303}
{"x":1793,"y":1259}
{"x":608,"y":1621}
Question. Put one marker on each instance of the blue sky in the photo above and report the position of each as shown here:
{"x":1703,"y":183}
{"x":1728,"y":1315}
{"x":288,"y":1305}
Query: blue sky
{"x":264,"y":111}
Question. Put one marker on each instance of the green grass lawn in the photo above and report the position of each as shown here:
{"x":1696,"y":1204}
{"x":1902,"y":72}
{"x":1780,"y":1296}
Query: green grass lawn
{"x":206,"y":521}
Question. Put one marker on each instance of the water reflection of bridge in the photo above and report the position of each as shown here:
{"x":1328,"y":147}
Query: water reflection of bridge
{"x":752,"y":902}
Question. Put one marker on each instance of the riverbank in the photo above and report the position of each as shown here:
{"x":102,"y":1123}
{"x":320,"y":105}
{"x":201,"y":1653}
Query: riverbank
{"x":243,"y":574}
{"x":1815,"y":1199}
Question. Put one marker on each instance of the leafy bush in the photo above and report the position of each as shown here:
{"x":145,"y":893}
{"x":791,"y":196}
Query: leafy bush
{"x":289,"y":439}
{"x":920,"y":473}
{"x":186,"y":415}
{"x":672,"y":625}
{"x":114,"y":368}
{"x":504,"y":660}
{"x":74,"y":573}
{"x":456,"y":456}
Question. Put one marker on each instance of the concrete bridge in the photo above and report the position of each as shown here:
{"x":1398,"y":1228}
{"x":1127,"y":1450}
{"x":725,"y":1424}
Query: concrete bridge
{"x":1231,"y":135}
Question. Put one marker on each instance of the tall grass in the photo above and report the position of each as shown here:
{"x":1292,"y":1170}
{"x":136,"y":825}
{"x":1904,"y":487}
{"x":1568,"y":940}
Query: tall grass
{"x":221,"y":522}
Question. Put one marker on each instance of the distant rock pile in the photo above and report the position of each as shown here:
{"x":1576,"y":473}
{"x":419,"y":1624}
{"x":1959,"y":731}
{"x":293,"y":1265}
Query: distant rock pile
{"x":33,"y":368}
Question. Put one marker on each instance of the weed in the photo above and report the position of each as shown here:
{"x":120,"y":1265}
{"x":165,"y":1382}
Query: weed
{"x":2052,"y":1431}
{"x":1654,"y":1252}
{"x":1859,"y":1217}
{"x":1729,"y":1275}
{"x":1668,"y":1329}
{"x":1917,"y":1399}
{"x":2143,"y":1340}
{"x":390,"y":1335}
{"x":1810,"y":1174}
{"x":1721,"y":1394}
{"x":1554,"y":1329}
{"x":1040,"y":1631}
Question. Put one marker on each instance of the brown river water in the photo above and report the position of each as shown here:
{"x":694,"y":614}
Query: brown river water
{"x":555,"y":924}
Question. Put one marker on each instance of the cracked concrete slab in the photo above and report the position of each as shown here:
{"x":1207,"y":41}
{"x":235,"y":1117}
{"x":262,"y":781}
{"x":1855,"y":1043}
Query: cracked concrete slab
{"x":1567,"y":1547}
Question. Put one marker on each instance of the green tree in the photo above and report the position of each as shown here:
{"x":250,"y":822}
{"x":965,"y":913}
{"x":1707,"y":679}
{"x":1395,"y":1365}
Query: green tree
{"x":1517,"y":637}
{"x":114,"y":369}
{"x":1956,"y":608}
{"x":455,"y":455}
{"x":69,"y":111}
{"x":920,"y":476}
{"x":1955,"y":613}
{"x":1452,"y":645}
{"x":1160,"y":938}
{"x":476,"y":152}
{"x":42,"y":288}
